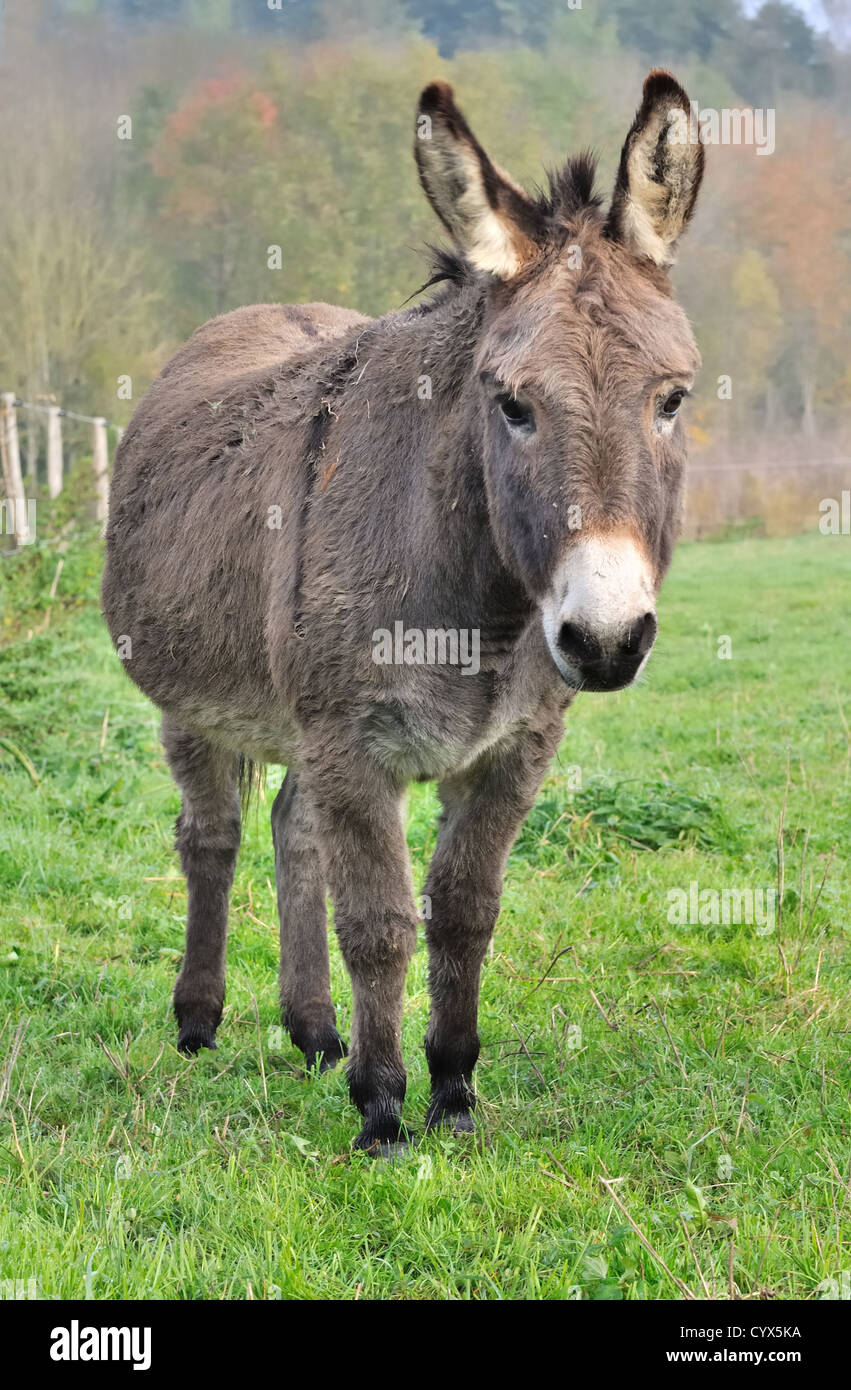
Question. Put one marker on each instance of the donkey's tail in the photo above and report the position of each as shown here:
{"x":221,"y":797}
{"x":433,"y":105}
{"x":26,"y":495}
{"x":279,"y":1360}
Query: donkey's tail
{"x":252,"y":777}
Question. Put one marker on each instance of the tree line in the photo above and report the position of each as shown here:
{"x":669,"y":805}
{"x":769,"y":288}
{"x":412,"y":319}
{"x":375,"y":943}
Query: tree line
{"x":265,"y":155}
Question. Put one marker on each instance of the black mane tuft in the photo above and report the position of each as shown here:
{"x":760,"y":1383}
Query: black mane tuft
{"x":570,"y":189}
{"x":447,"y":267}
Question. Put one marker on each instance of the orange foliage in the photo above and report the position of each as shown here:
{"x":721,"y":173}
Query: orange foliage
{"x":798,"y":210}
{"x":228,"y":95}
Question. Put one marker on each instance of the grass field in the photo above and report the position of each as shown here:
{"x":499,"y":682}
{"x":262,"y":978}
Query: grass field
{"x":701,"y":1070}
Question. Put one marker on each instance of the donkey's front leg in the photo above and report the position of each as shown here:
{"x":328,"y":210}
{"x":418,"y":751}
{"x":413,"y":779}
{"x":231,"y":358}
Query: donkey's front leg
{"x":358,"y":813}
{"x":483,"y":808}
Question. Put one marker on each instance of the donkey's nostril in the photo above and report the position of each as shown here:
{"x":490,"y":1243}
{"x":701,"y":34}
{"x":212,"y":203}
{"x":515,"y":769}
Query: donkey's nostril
{"x":578,"y":644}
{"x":640,"y":636}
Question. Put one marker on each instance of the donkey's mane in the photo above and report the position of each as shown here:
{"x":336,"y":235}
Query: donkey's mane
{"x":570,"y":189}
{"x":568,"y":192}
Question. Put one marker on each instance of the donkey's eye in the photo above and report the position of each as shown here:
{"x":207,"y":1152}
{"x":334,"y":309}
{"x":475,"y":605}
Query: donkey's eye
{"x":518,"y":415}
{"x":672,"y":403}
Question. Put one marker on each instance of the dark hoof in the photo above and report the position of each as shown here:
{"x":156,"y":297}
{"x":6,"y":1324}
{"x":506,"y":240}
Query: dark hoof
{"x":193,"y":1036}
{"x":325,"y":1053}
{"x":391,"y":1150}
{"x":197,"y":1021}
{"x":453,"y":1122}
{"x":395,"y":1152}
{"x":391,"y":1140}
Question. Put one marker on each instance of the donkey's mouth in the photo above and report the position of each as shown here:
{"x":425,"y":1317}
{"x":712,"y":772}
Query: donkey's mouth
{"x":600,"y":675}
{"x":607,"y":680}
{"x":598,"y":683}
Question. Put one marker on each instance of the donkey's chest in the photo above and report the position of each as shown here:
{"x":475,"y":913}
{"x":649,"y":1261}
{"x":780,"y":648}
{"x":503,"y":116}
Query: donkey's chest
{"x":424,"y":751}
{"x":426,"y":735}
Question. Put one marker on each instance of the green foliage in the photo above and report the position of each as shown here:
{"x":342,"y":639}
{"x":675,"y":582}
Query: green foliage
{"x":256,"y":129}
{"x":605,"y":820}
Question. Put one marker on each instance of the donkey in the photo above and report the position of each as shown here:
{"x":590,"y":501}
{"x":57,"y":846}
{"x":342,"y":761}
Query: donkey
{"x":504,"y":458}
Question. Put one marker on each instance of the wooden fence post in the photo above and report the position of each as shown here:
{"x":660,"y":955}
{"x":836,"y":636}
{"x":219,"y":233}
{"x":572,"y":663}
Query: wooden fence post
{"x":100,"y":462}
{"x":32,"y":445}
{"x":54,"y":450}
{"x":12,"y":481}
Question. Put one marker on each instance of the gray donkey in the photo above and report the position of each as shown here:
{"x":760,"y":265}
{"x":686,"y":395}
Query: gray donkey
{"x":502,"y":462}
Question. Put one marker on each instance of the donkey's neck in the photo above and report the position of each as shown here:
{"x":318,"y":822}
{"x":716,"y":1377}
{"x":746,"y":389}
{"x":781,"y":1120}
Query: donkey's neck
{"x":429,"y":354}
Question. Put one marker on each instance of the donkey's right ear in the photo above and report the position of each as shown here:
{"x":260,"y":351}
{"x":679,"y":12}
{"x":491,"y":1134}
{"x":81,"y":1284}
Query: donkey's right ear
{"x":491,"y":220}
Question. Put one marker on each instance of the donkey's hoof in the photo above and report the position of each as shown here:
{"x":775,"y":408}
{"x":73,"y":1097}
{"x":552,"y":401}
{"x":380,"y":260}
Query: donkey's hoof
{"x":391,"y":1150}
{"x":193,"y":1036}
{"x":400,"y":1145}
{"x":327,"y":1061}
{"x":452,"y":1122}
{"x":397,"y":1151}
{"x":327,"y":1052}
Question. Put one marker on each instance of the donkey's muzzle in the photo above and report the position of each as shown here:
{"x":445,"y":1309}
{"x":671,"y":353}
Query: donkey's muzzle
{"x":606,"y":658}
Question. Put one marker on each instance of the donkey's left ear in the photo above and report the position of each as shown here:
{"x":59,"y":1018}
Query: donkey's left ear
{"x":491,"y":220}
{"x":659,"y":174}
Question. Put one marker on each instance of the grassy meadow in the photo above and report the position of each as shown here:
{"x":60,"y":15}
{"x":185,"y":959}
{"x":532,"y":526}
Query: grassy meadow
{"x":664,"y":1106}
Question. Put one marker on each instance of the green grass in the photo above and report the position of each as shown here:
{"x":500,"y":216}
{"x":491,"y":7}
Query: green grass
{"x":703,"y":1070}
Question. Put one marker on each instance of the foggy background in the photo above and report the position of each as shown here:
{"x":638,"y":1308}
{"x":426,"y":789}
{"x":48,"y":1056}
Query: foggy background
{"x":252,"y":127}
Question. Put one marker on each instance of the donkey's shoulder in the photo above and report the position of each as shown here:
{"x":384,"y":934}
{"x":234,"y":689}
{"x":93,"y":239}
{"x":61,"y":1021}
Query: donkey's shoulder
{"x":262,"y":334}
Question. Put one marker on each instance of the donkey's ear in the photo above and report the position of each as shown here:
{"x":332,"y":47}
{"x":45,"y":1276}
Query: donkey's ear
{"x":660,"y":172}
{"x":490,"y":219}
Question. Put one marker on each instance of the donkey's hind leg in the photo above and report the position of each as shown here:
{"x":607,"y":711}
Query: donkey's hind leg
{"x":306,"y":1006}
{"x":208,"y":834}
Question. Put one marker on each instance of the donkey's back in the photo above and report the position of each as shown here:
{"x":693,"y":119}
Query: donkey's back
{"x":249,"y":340}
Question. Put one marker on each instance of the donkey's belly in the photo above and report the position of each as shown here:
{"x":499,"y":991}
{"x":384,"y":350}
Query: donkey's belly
{"x":270,"y":737}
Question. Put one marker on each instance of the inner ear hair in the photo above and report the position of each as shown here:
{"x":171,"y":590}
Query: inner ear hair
{"x":660,"y":172}
{"x":490,"y":218}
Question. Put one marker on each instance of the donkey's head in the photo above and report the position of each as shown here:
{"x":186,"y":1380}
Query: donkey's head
{"x":582,"y":363}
